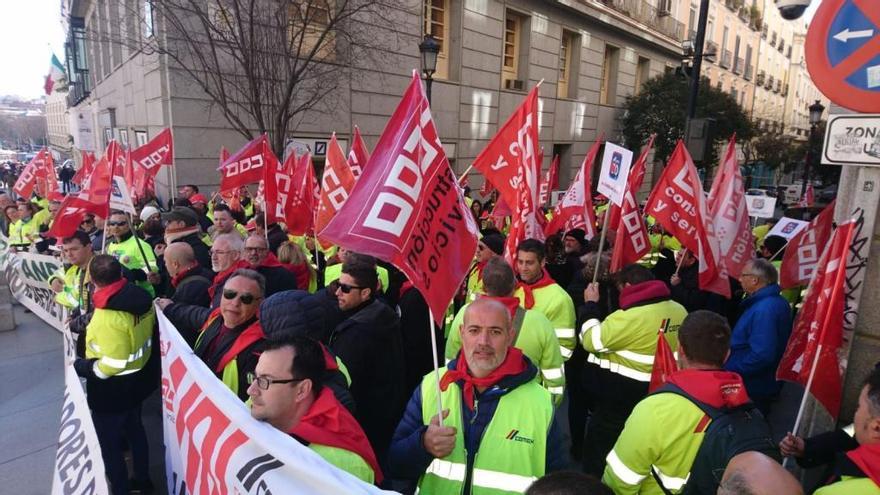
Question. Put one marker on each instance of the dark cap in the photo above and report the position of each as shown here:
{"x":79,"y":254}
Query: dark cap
{"x":495,"y":242}
{"x":181,"y":214}
{"x":578,"y":235}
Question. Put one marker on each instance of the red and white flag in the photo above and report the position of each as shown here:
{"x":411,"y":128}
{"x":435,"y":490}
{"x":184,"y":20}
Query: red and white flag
{"x":510,"y":163}
{"x":120,"y":190}
{"x":248,"y":165}
{"x":803,"y":251}
{"x":817,"y":335}
{"x":358,"y":154}
{"x":729,"y":214}
{"x":94,"y":198}
{"x":406,"y":207}
{"x":88,"y":162}
{"x":336,"y":185}
{"x":300,"y":212}
{"x":147,"y":159}
{"x":679,"y":205}
{"x":275,"y":190}
{"x":664,"y":361}
{"x":550,"y":182}
{"x":631,"y":241}
{"x":575,"y":209}
{"x":809,"y":197}
{"x":47,"y":180}
{"x":27,"y":180}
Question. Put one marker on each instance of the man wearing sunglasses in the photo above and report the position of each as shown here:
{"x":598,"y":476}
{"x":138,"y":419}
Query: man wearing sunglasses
{"x":288,"y":391}
{"x":90,"y":225}
{"x":131,"y":251}
{"x":229,"y":337}
{"x":370,"y":345}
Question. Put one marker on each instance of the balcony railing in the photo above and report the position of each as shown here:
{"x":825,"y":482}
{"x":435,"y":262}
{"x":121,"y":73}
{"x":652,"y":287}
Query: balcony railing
{"x":644,"y":12}
{"x":738,"y":64}
{"x":725,"y":59}
{"x":778,"y":86}
{"x":711,"y":51}
{"x":769,"y":82}
{"x":748,"y":74}
{"x":760,"y":79}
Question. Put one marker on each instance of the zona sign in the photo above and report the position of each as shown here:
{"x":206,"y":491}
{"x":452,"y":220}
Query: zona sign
{"x":843,"y":53}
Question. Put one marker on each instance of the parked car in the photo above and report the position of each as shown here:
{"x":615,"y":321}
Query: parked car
{"x":756,"y":192}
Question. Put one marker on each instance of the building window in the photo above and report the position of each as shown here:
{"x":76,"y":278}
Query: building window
{"x":437,"y":25}
{"x":514,"y":61}
{"x":643,"y":72}
{"x":710,"y":30}
{"x":309,"y":22}
{"x":149,"y":30}
{"x":569,"y":57}
{"x":724,"y":37}
{"x":608,"y":83}
{"x":692,"y":22}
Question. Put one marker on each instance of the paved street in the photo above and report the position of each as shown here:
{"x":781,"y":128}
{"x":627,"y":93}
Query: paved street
{"x":31,"y":387}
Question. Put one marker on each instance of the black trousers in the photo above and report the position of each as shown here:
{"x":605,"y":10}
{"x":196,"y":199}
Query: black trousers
{"x":111,"y":429}
{"x":610,"y":411}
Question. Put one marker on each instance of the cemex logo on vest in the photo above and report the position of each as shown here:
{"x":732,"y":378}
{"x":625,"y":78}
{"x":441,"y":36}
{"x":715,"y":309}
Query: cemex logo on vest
{"x":515,"y":436}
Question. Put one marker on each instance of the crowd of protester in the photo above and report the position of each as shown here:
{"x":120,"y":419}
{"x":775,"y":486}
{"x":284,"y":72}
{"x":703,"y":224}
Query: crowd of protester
{"x":305,"y":332}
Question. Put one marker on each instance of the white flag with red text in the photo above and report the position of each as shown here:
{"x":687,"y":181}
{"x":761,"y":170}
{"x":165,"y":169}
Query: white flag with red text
{"x":575,"y":209}
{"x":730,"y":215}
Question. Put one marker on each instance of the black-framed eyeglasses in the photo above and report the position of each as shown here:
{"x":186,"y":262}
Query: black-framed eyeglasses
{"x":264,"y":382}
{"x":244,"y":297}
{"x":345,"y":288}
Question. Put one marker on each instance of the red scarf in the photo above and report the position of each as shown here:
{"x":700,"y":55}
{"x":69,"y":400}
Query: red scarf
{"x":221,"y":277}
{"x":102,"y":296}
{"x":328,"y":423}
{"x":513,"y":364}
{"x":528,"y":289}
{"x":175,"y":280}
{"x":269,"y":261}
{"x":867,"y":458}
{"x":251,"y":334}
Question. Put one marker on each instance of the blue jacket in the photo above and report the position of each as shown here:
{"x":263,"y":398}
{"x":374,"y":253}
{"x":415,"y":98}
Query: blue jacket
{"x":408,"y":458}
{"x":759,"y":339}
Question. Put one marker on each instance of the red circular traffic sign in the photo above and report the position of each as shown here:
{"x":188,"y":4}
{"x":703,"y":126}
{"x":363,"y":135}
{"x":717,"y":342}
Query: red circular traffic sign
{"x":843,"y":53}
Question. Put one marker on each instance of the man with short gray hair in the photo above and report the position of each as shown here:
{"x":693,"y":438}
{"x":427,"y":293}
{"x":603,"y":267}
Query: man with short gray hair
{"x":761,"y":333}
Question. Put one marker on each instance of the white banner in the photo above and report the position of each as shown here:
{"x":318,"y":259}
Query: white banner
{"x":761,"y":206}
{"x":616,"y":162}
{"x":788,"y":228}
{"x":28,"y":277}
{"x":79,"y":467}
{"x":120,"y":196}
{"x":213,"y":445}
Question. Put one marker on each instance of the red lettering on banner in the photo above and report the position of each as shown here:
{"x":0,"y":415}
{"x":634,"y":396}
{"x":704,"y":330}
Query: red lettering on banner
{"x":154,"y":159}
{"x":201,"y":453}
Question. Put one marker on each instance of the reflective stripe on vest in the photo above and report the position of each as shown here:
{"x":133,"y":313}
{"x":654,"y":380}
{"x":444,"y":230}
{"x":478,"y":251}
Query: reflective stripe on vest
{"x":671,"y":482}
{"x":622,"y":471}
{"x":620,"y":369}
{"x":502,"y":481}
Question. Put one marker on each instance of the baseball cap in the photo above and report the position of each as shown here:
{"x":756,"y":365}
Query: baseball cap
{"x":198,"y":198}
{"x":181,"y":214}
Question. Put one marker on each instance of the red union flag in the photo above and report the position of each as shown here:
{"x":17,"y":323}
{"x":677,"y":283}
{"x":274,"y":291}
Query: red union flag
{"x":510,"y":163}
{"x":817,"y":335}
{"x":631,"y":241}
{"x":94,"y":198}
{"x":679,"y":205}
{"x":88,"y":162}
{"x":550,"y":182}
{"x":575,"y":209}
{"x":664,"y":361}
{"x":275,"y":189}
{"x":803,"y":251}
{"x":247,"y":165}
{"x":47,"y":179}
{"x":358,"y":154}
{"x":407,"y":209}
{"x":147,"y":159}
{"x":336,"y":184}
{"x":300,"y":212}
{"x":729,"y":214}
{"x":26,"y":182}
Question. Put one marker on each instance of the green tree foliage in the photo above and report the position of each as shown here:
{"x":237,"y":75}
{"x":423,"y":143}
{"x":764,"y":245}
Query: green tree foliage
{"x":661,"y":107}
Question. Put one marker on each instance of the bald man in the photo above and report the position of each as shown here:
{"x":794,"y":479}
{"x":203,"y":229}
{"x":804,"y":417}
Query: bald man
{"x":189,"y":280}
{"x":754,"y":473}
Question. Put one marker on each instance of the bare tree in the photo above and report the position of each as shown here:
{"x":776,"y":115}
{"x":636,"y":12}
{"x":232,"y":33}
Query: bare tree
{"x":265,"y":63}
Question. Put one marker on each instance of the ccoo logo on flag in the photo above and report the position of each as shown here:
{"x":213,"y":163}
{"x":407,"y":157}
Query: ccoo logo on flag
{"x":616,"y":160}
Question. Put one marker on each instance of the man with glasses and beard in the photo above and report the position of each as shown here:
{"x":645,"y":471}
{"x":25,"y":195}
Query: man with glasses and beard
{"x":230,"y":336}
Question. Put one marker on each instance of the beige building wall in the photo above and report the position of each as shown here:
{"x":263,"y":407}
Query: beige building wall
{"x":57,"y":124}
{"x":801,"y":94}
{"x":732,"y":35}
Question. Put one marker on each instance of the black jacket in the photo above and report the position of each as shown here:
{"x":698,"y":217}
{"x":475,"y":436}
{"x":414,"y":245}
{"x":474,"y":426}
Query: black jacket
{"x":278,"y":279}
{"x":193,"y":288}
{"x":688,"y":293}
{"x":122,"y":393}
{"x":201,"y":250}
{"x":416,"y":339}
{"x":369,"y":344}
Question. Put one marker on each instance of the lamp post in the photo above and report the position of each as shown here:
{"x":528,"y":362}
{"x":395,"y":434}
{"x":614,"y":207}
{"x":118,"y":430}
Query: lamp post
{"x":429,"y":48}
{"x":816,"y":110}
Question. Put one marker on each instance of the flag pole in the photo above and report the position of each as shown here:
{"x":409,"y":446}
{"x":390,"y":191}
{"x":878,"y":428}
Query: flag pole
{"x":778,"y":251}
{"x":436,"y":368}
{"x":137,"y":242}
{"x":800,"y":413}
{"x":265,"y":220}
{"x":601,"y":245}
{"x":680,"y":262}
{"x":465,"y":173}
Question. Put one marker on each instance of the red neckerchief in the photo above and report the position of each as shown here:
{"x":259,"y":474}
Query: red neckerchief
{"x":102,"y":296}
{"x":175,"y":280}
{"x":329,"y":359}
{"x":301,"y":272}
{"x":270,"y":261}
{"x":511,"y":303}
{"x":328,"y":423}
{"x":513,"y":365}
{"x":221,"y":277}
{"x":528,"y":289}
{"x":480,"y":266}
{"x":867,"y":458}
{"x":251,"y":334}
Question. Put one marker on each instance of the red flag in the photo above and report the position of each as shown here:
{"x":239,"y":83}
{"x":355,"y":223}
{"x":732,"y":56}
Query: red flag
{"x":93,"y":198}
{"x":510,"y":163}
{"x":300,"y":212}
{"x":803,"y":250}
{"x":575,"y":209}
{"x":809,"y":197}
{"x":88,"y":162}
{"x":26,"y":182}
{"x":247,"y":165}
{"x":336,"y":185}
{"x":817,"y":335}
{"x":550,"y":182}
{"x":406,"y":207}
{"x":664,"y":361}
{"x":631,"y":241}
{"x":47,"y":179}
{"x":358,"y":154}
{"x":729,"y":214}
{"x":147,"y":159}
{"x":679,"y":205}
{"x":275,"y":189}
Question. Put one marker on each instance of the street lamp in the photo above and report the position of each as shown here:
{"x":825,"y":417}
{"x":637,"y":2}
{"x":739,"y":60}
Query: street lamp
{"x":816,"y":110}
{"x":429,"y":48}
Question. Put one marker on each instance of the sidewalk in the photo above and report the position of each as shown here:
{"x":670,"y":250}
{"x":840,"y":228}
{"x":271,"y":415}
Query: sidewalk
{"x":31,"y":389}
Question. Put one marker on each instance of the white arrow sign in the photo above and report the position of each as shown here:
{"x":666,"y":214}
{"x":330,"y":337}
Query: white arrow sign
{"x":847,"y":35}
